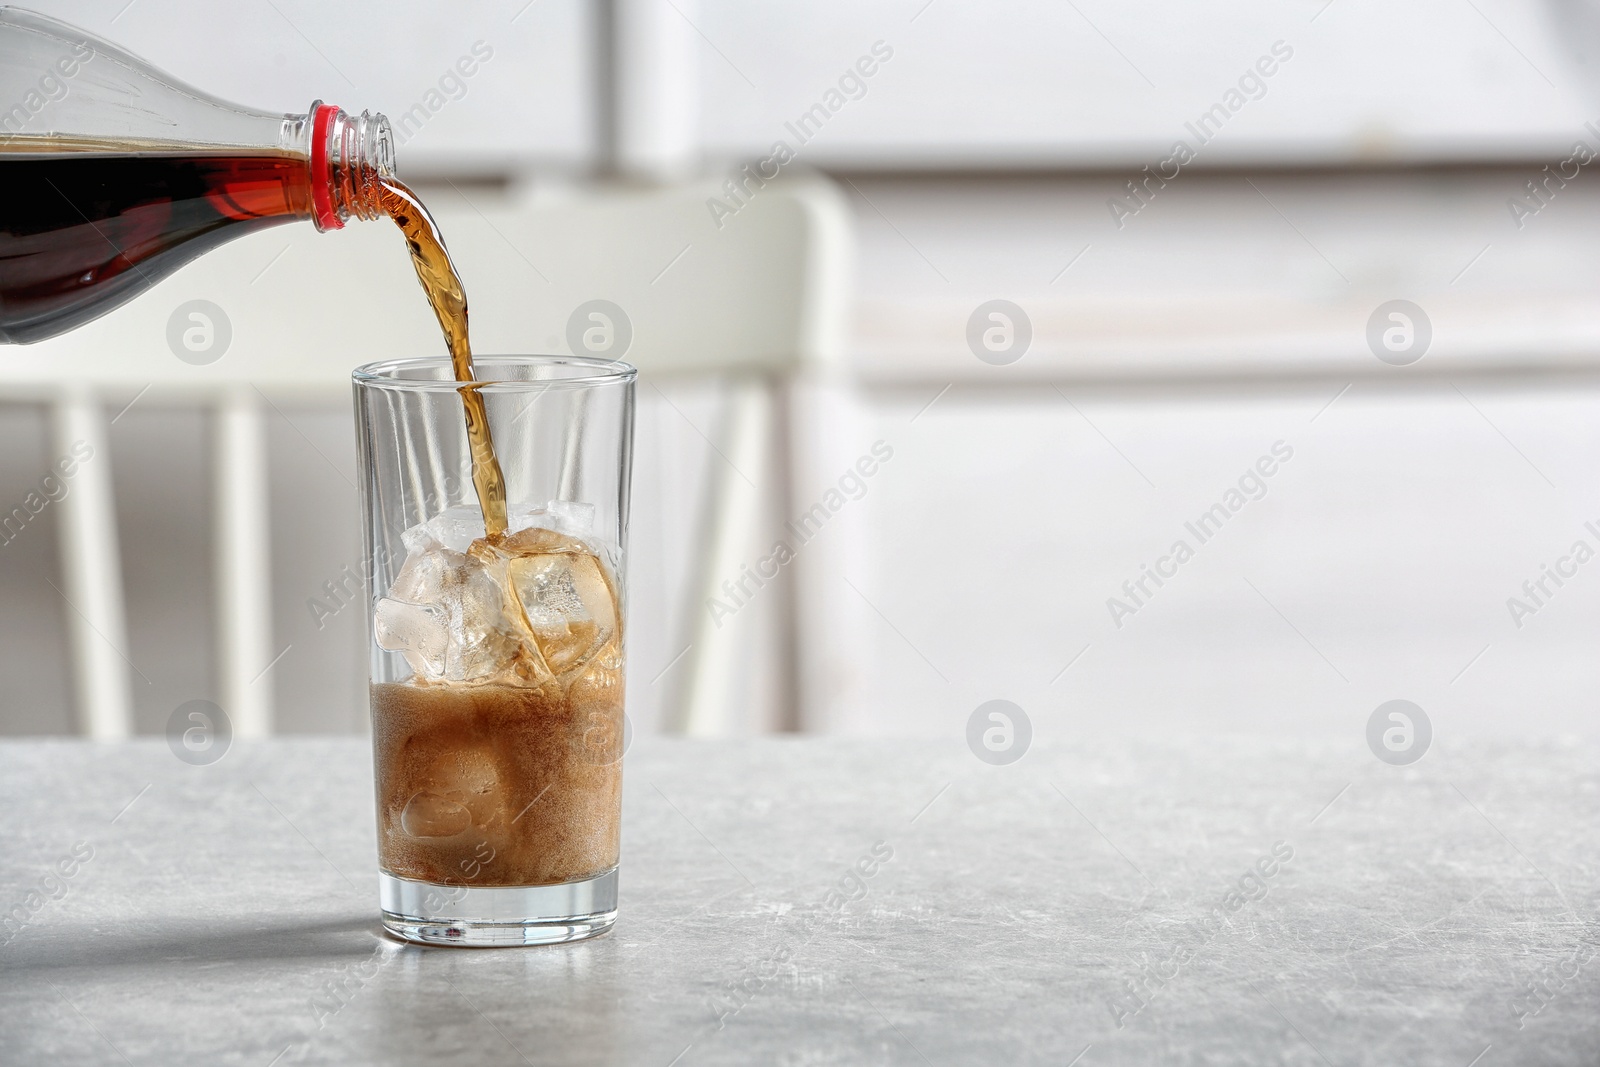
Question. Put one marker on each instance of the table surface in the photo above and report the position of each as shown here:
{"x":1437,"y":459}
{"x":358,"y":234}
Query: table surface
{"x":809,"y":901}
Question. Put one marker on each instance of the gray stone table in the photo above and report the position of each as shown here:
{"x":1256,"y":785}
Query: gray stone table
{"x":810,"y":901}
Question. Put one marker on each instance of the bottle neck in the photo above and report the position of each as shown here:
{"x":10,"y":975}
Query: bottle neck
{"x":350,"y":156}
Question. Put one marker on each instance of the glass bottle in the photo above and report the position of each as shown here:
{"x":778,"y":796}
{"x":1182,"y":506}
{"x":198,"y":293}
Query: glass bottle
{"x":113,"y":174}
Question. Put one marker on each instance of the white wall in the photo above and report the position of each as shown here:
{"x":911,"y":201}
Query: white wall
{"x":530,"y":102}
{"x":1097,"y":81}
{"x":969,"y":84}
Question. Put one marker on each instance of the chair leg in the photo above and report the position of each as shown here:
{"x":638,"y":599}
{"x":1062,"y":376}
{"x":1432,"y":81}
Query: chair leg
{"x":789,"y":634}
{"x":244,"y":589}
{"x":704,"y":704}
{"x":92,"y":573}
{"x":833,"y":626}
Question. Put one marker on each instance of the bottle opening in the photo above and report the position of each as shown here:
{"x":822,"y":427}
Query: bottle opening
{"x":351,"y":155}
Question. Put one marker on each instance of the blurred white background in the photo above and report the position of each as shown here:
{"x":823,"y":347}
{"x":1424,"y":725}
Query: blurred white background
{"x":1377,"y":162}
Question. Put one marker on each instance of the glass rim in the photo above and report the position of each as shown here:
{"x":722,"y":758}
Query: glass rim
{"x":385,"y":374}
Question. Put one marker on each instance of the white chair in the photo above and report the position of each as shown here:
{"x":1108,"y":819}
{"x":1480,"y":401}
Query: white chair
{"x":757,"y":300}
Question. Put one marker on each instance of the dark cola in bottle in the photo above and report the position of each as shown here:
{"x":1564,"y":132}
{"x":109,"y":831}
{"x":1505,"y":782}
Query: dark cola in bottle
{"x":113,"y":175}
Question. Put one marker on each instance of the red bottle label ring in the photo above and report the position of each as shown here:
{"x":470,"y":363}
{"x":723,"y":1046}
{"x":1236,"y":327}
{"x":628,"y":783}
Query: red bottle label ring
{"x":322,"y":170}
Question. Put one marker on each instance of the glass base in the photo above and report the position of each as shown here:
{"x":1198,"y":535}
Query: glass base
{"x":489,"y":916}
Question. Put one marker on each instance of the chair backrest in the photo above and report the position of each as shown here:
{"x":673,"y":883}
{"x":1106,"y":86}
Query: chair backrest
{"x":288,"y":312}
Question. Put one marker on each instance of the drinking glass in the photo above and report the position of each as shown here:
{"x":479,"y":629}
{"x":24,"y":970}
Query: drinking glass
{"x":496,"y":663}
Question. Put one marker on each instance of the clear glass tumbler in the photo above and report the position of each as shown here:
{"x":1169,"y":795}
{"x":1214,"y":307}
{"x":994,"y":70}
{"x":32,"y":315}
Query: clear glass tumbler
{"x":496,"y":682}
